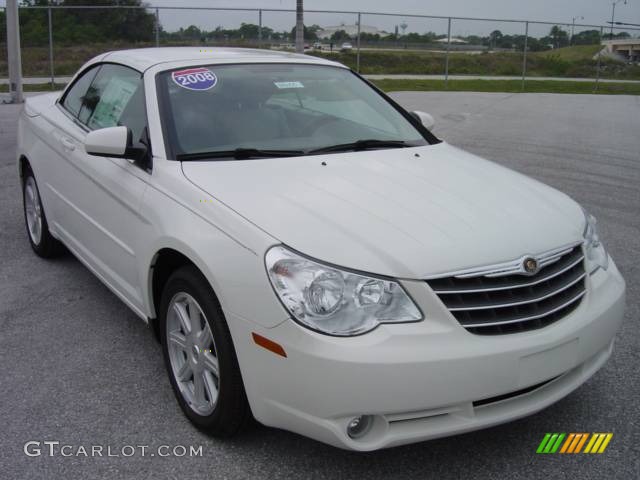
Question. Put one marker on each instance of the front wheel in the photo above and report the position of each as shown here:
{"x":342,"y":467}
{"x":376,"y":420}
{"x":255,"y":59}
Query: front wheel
{"x":41,"y":240}
{"x":200,"y":357}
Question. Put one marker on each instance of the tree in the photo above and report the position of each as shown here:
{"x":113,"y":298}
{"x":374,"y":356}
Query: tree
{"x":340,"y":36}
{"x":248,"y":30}
{"x":314,"y":29}
{"x":473,"y":40}
{"x":369,"y":37}
{"x":559,"y":37}
{"x":494,"y":38}
{"x":81,"y":26}
{"x":586,"y":37}
{"x":413,"y":37}
{"x":309,"y":34}
{"x":191,"y":32}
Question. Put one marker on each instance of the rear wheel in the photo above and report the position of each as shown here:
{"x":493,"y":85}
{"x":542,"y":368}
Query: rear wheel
{"x":200,"y":357}
{"x":41,"y":240}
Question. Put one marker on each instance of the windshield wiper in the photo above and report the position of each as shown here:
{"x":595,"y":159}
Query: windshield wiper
{"x":361,"y":145}
{"x":239,"y":154}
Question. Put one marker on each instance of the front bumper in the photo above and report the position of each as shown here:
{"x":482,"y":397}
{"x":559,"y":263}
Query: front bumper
{"x":427,"y":379}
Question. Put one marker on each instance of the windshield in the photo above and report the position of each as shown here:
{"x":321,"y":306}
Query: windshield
{"x":276,"y":108}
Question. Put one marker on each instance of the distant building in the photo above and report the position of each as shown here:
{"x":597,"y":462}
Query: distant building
{"x":625,"y":48}
{"x":352,"y":31}
{"x":455,"y":40}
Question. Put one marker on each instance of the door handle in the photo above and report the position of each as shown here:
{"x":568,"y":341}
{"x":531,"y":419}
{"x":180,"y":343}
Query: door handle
{"x":68,"y":144}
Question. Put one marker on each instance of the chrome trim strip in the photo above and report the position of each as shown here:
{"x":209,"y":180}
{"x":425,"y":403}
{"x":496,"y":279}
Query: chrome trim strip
{"x":543,"y":261}
{"x":507,"y":268}
{"x":514,"y":304}
{"x":526,"y":319}
{"x":517,"y":265}
{"x":513,"y":286}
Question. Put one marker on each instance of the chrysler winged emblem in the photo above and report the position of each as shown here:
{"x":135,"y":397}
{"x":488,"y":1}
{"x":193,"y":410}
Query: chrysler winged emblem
{"x":530,"y":265}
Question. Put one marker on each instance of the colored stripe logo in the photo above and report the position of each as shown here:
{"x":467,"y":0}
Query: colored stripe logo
{"x":574,"y":443}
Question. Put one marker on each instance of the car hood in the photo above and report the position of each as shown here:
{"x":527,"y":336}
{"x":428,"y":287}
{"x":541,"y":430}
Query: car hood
{"x":408,"y":213}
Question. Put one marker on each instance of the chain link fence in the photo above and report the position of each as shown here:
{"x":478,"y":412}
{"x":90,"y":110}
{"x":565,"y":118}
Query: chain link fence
{"x":57,"y":40}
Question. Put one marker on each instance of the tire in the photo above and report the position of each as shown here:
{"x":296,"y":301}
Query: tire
{"x":40,"y":239}
{"x":192,"y":353}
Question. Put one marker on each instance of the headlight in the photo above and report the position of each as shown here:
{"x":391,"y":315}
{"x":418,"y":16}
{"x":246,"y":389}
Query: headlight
{"x":334,"y":301}
{"x":595,"y":252}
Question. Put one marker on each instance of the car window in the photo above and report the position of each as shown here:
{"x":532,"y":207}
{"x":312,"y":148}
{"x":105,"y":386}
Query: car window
{"x":73,"y":99}
{"x":115,"y":98}
{"x":332,"y":99}
{"x":275,"y":107}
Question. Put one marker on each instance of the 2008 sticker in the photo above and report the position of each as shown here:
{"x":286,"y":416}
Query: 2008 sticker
{"x":195,"y":78}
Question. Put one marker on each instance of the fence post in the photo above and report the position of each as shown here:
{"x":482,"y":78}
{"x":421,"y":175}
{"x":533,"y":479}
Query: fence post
{"x":599,"y":55}
{"x":524,"y":56}
{"x":53,"y":78}
{"x":13,"y":48}
{"x":157,"y":27}
{"x":446,"y":59}
{"x":358,"y":44}
{"x":260,"y":28}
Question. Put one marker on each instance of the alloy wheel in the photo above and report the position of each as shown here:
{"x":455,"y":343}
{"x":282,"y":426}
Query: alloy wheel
{"x":33,"y":209}
{"x":192,"y":354}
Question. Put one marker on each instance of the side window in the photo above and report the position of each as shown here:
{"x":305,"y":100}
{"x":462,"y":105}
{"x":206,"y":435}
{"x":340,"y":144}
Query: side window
{"x":75,"y":96}
{"x":115,"y":98}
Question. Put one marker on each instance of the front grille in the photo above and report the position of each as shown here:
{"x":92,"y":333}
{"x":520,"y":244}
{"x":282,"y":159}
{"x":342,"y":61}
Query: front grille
{"x":495,"y":303}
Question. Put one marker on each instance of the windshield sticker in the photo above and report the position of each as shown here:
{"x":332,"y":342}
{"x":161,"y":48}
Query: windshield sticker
{"x":282,"y":85}
{"x":195,"y":79}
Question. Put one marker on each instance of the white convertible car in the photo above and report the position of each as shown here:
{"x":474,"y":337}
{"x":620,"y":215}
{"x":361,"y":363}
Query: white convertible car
{"x":309,"y":253}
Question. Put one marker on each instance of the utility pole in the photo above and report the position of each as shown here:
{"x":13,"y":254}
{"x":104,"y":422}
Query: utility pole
{"x":613,"y":14}
{"x":573,"y":26}
{"x":524,"y":55}
{"x":13,"y":47}
{"x":299,"y":27}
{"x":358,"y":44}
{"x":156,"y":26}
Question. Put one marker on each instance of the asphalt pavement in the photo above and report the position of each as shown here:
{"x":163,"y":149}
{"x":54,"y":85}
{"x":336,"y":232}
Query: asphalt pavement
{"x":77,"y":367}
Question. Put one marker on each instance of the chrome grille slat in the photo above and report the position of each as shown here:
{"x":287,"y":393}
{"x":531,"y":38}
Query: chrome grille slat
{"x":510,"y":267}
{"x":525,"y":319}
{"x":490,"y":304}
{"x":523,"y":302}
{"x":509,"y":287}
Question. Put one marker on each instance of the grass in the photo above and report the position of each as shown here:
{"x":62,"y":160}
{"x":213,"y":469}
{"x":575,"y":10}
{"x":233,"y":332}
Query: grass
{"x":573,"y":54}
{"x":66,"y":59}
{"x":565,"y":62}
{"x":506,"y":86}
{"x":509,"y":86}
{"x":576,"y":61}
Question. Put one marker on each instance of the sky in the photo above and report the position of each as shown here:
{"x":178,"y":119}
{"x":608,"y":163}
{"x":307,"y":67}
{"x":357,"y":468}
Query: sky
{"x":596,"y":12}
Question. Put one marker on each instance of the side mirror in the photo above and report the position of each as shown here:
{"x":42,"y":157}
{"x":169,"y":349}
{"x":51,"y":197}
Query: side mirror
{"x":425,"y":119}
{"x":113,"y":142}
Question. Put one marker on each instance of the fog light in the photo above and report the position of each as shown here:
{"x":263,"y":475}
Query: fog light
{"x":359,"y":426}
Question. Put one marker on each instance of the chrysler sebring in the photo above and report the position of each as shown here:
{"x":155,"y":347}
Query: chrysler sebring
{"x":309,"y":253}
